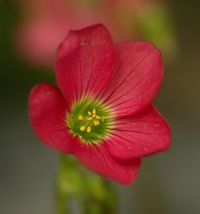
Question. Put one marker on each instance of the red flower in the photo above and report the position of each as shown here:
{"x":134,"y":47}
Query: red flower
{"x":46,"y":22}
{"x":102,"y":113}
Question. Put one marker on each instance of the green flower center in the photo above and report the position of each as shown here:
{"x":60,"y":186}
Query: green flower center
{"x":90,"y":120}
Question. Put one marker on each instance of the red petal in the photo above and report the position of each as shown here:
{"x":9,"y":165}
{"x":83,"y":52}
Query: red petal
{"x":137,"y":76}
{"x":98,"y":159}
{"x":84,"y":62}
{"x":141,"y":135}
{"x":48,"y":116}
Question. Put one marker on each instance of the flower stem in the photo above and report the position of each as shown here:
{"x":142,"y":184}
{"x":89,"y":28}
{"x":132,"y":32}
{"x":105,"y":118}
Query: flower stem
{"x":94,"y":194}
{"x":62,"y":203}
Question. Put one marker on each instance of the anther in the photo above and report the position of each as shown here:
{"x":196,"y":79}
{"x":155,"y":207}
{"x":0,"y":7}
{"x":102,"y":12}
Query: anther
{"x":88,"y":129}
{"x":94,"y":111}
{"x":96,"y":122}
{"x":82,"y":128}
{"x":97,"y":117}
{"x":80,"y":117}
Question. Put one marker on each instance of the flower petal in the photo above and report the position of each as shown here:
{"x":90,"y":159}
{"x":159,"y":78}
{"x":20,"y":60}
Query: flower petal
{"x":48,"y":117}
{"x":137,"y":76}
{"x":84,"y":62}
{"x":98,"y":159}
{"x":141,"y":135}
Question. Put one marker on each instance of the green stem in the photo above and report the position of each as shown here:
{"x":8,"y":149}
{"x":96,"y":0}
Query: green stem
{"x":103,"y":201}
{"x":62,"y":203}
{"x":94,"y":194}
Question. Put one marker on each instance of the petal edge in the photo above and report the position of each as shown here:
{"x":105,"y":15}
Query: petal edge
{"x":137,"y":76}
{"x":84,"y":62}
{"x":47,"y":112}
{"x":139,"y":136}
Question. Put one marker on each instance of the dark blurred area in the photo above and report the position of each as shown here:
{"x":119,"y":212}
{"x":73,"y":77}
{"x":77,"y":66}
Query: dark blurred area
{"x":168,"y":183}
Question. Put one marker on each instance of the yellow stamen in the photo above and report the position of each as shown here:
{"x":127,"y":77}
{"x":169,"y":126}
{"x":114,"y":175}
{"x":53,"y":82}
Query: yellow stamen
{"x":80,"y":117}
{"x":94,"y":112}
{"x":88,"y":129}
{"x":96,"y":122}
{"x":97,"y":117}
{"x":82,"y":128}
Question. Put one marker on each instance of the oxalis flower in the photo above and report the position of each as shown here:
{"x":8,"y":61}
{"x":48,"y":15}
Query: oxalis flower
{"x":102,"y":113}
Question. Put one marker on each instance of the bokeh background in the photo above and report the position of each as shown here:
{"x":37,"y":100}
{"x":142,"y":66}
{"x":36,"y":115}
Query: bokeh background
{"x":168,"y":183}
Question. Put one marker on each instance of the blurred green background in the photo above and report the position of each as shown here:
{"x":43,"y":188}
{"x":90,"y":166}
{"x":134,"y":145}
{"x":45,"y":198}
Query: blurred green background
{"x":168,"y":183}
